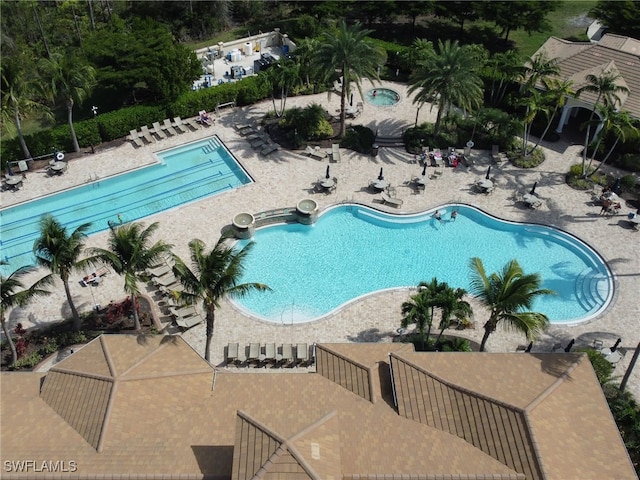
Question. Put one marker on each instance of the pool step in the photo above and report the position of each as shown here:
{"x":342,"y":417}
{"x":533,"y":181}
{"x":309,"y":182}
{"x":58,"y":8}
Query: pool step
{"x":212,"y":146}
{"x":592,"y":289}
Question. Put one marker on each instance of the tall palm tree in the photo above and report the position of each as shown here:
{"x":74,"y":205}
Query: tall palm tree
{"x":538,"y":68}
{"x":70,"y":80}
{"x":607,"y":87}
{"x":448,"y":77}
{"x":618,"y":123}
{"x":215,"y":274}
{"x":557,"y":93}
{"x":22,"y":94}
{"x":420,"y":309}
{"x":503,"y":69}
{"x":305,"y":53}
{"x":14,"y":294}
{"x":509,"y":296}
{"x":347,"y":54}
{"x":60,"y":252}
{"x":533,"y":103}
{"x":281,"y":78}
{"x":130,"y":254}
{"x":451,"y":302}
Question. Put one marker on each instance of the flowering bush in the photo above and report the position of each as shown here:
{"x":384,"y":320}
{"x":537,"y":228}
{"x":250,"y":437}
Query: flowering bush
{"x":118,"y":311}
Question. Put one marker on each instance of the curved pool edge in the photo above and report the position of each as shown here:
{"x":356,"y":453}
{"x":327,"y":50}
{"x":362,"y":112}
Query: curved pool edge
{"x":608,"y":302}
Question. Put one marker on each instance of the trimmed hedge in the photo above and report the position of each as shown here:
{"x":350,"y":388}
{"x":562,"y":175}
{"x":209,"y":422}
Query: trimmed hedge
{"x":117,"y":124}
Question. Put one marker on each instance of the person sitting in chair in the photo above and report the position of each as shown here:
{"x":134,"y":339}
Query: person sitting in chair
{"x":205,"y":118}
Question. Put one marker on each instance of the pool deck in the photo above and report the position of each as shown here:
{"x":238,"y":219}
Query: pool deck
{"x":284,"y":177}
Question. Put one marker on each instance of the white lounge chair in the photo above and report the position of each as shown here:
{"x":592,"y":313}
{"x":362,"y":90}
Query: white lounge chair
{"x":316,"y":153}
{"x":302,"y":353}
{"x":287,"y":354}
{"x":188,"y":322}
{"x":133,"y":136}
{"x":157,"y":129}
{"x":169,"y":128}
{"x":179,"y":125}
{"x":270,"y":148}
{"x":271,"y":355}
{"x":394,"y":202}
{"x":146,"y":134}
{"x":192,"y":123}
{"x":335,"y":153}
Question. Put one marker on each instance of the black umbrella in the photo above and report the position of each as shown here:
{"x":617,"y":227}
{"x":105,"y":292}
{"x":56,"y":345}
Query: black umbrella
{"x":615,"y":345}
{"x":424,"y":169}
{"x":381,"y":176}
{"x":327,"y":174}
{"x":616,"y":186}
{"x":570,"y":345}
{"x":529,"y":347}
{"x":533,"y":189}
{"x":488,"y":172}
{"x":351,"y":101}
{"x":9,"y":168}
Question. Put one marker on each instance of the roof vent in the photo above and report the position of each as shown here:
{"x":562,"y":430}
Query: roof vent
{"x":315,"y":451}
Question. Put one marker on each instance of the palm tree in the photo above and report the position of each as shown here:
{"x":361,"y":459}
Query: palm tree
{"x":539,"y":68}
{"x":534,"y":104}
{"x":281,"y":77}
{"x":449,"y":77}
{"x":14,"y":294}
{"x":450,"y":301}
{"x":557,"y":93}
{"x":22,"y":94}
{"x":617,"y":122}
{"x":504,"y":68}
{"x":129,"y":253}
{"x":60,"y":253}
{"x":508,"y":295}
{"x":607,"y":87}
{"x":305,"y":53}
{"x":348,"y":55}
{"x":215,"y":274}
{"x":71,"y":80}
{"x":420,"y":310}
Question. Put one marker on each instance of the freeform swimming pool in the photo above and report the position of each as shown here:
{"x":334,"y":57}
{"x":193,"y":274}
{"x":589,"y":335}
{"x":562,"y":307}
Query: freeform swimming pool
{"x":382,"y":97}
{"x":354,"y":250}
{"x":184,"y":174}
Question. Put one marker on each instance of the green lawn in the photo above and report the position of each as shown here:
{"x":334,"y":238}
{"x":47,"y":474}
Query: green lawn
{"x":567,"y":22}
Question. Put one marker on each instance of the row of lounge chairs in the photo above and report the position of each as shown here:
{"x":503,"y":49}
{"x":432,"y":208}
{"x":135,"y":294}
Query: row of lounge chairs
{"x":185,"y":316}
{"x":285,"y":355}
{"x":318,"y":154}
{"x":161,"y":131}
{"x":258,"y":140}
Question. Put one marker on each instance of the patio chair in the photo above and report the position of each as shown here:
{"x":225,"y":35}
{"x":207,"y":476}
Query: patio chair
{"x":165,"y":280}
{"x":188,"y":322}
{"x":146,"y":134}
{"x":184,"y":311}
{"x":159,"y":271}
{"x":232,"y":353}
{"x":316,"y":153}
{"x":302,"y":354}
{"x":271,"y":355}
{"x":168,"y":127}
{"x":287,"y":354}
{"x":157,"y":129}
{"x":335,"y":153}
{"x":269,"y":149}
{"x":179,"y":125}
{"x":394,"y":202}
{"x":255,"y":354}
{"x":257,"y":143}
{"x":192,"y":123}
{"x":135,"y":139}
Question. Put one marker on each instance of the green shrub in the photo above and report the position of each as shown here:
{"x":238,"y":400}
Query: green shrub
{"x":631,"y":162}
{"x":534,"y":159}
{"x":358,"y":138}
{"x":600,"y":364}
{"x":117,"y":124}
{"x":575,"y":179}
{"x":310,"y":122}
{"x":27,"y":362}
{"x":628,"y":182}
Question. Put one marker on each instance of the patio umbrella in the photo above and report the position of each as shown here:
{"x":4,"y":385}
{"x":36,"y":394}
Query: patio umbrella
{"x":327,"y":174}
{"x":615,"y":345}
{"x":616,"y":186}
{"x":9,"y":168}
{"x":424,"y":169}
{"x":570,"y":345}
{"x":488,"y":173}
{"x":381,"y":176}
{"x":529,"y":347}
{"x":533,"y":189}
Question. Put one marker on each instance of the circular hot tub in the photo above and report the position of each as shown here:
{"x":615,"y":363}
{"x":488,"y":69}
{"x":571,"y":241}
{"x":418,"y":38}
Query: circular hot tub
{"x":307,"y":210}
{"x":244,"y":225}
{"x":382,"y":97}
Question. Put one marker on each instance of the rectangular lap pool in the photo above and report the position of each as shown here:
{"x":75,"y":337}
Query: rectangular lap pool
{"x":184,"y":174}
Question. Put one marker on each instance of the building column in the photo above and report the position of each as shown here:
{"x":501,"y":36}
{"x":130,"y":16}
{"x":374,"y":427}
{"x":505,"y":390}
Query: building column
{"x":564,"y":118}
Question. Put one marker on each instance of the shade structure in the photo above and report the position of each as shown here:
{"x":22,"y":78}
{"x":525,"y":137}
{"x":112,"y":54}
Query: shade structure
{"x":381,"y":176}
{"x":615,"y":345}
{"x":327,"y":174}
{"x":570,"y":345}
{"x":424,"y":169}
{"x":488,"y":173}
{"x":533,"y":189}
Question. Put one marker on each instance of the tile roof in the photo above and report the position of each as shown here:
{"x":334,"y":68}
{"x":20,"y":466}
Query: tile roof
{"x":171,"y":415}
{"x":613,"y":53}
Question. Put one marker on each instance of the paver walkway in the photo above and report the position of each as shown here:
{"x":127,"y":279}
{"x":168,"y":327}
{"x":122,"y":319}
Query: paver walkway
{"x":284,"y":177}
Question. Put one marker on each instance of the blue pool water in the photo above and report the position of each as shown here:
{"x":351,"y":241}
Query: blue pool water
{"x":186,"y":173}
{"x":384,"y":97}
{"x":353,"y":250}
